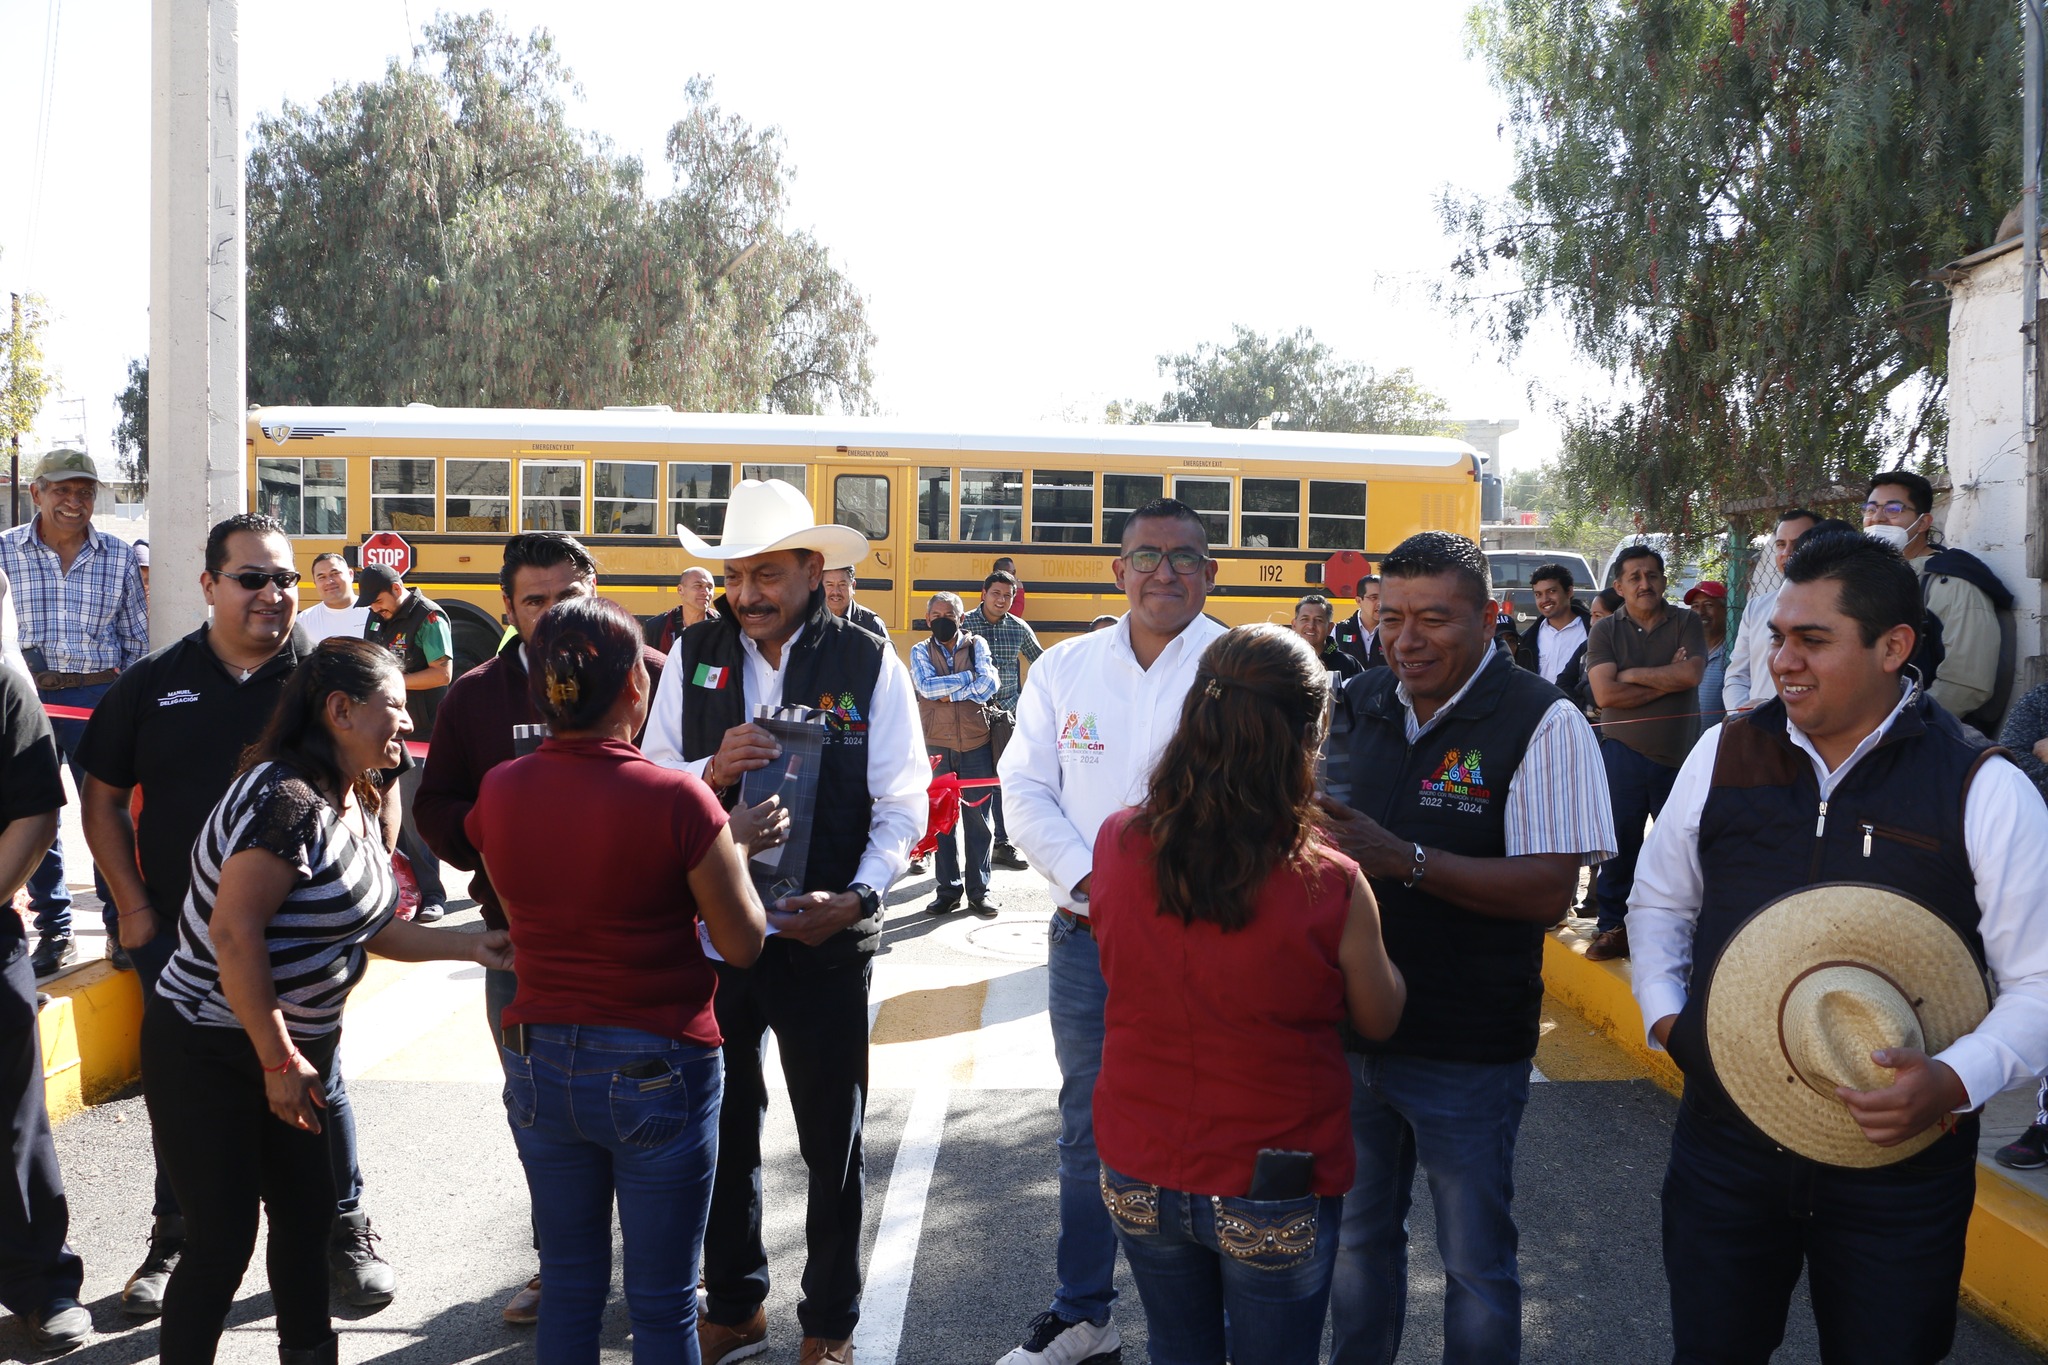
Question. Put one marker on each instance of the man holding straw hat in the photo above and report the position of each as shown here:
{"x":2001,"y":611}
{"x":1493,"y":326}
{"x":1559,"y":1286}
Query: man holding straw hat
{"x":1813,"y":920}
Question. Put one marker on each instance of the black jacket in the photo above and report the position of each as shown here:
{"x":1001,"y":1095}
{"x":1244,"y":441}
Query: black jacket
{"x":1569,"y":677}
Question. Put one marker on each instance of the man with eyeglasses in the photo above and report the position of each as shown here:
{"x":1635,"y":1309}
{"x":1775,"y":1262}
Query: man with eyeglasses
{"x":1094,"y":715}
{"x":176,"y":725}
{"x":1959,"y":589}
{"x":84,"y":617}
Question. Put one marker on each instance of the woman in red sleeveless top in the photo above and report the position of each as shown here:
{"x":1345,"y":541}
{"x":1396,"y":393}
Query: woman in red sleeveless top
{"x":1233,"y":943}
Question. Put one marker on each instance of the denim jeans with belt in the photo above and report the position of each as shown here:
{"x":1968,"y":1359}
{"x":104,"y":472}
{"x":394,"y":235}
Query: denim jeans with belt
{"x":1459,"y":1119}
{"x":1264,"y":1262}
{"x":1084,"y":1258}
{"x":49,"y":890}
{"x":600,"y":1114}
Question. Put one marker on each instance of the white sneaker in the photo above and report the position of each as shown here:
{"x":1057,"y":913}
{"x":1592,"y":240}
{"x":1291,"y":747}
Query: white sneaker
{"x":1054,"y":1340}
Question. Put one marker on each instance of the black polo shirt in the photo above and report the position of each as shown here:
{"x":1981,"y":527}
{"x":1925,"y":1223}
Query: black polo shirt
{"x":29,"y":784}
{"x":176,"y":724}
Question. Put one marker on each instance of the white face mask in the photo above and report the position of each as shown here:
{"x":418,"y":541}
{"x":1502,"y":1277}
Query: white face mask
{"x":1894,"y":536}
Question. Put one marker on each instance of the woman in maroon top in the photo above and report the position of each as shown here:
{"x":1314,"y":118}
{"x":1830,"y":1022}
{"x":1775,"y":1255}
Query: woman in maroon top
{"x":1233,"y":943}
{"x":607,"y":865}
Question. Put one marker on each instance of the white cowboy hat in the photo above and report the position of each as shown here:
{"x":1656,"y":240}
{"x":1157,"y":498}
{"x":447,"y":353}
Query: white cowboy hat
{"x":1810,"y":986}
{"x":767,"y":515}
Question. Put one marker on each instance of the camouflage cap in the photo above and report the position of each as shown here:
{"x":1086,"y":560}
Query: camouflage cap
{"x":60,"y":465}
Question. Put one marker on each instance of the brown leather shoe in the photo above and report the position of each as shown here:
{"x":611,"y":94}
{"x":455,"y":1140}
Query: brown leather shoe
{"x":818,"y":1351}
{"x":523,"y":1309}
{"x":717,"y":1342}
{"x":1608,"y":944}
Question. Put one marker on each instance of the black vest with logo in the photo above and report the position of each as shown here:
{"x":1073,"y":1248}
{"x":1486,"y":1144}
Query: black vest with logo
{"x":833,"y":666}
{"x":1475,"y":983}
{"x":401,"y":635}
{"x":1896,"y":821}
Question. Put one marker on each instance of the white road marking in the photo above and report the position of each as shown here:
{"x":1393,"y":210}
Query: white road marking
{"x":894,"y":1260}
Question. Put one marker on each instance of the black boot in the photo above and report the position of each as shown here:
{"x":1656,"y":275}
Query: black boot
{"x":144,"y":1296}
{"x":326,"y":1353}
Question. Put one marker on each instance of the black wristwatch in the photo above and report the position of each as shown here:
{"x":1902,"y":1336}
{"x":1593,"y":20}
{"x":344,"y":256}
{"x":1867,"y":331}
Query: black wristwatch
{"x":869,"y":898}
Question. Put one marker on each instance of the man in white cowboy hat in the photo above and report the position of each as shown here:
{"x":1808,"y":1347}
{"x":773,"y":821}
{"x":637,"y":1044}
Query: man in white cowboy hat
{"x":1851,"y":774}
{"x":775,"y":641}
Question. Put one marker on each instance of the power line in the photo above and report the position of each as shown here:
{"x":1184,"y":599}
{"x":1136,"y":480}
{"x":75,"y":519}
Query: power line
{"x":43,"y":122}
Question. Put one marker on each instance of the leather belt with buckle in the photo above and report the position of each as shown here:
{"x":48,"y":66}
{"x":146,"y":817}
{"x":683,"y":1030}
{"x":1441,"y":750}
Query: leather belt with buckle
{"x":1075,"y":921}
{"x":57,"y":682}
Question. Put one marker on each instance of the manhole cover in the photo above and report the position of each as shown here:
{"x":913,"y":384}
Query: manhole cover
{"x":1013,"y":940}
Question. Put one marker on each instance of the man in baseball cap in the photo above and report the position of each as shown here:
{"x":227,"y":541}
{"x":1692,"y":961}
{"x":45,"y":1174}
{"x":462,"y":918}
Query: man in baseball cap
{"x":1708,"y":599}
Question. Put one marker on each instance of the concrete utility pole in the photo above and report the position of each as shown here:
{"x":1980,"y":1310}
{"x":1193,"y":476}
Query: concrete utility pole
{"x":197,"y":422}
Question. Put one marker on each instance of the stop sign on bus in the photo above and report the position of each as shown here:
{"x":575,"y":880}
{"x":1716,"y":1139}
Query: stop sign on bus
{"x":388,"y":550}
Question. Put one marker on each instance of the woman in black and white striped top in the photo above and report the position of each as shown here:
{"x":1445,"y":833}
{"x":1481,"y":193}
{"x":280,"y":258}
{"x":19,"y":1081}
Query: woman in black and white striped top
{"x":291,"y":883}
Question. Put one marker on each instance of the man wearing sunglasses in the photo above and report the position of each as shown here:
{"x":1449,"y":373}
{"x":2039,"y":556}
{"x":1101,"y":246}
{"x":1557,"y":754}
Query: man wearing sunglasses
{"x":1095,"y":712}
{"x":176,"y":725}
{"x":84,"y":617}
{"x":1959,"y":589}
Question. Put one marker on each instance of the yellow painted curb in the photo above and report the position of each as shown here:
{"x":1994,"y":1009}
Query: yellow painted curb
{"x":2005,"y":1262}
{"x":91,"y":1035}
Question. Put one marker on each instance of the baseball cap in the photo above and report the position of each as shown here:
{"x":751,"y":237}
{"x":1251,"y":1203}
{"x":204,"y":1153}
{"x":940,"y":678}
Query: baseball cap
{"x":1707,"y":587}
{"x":60,"y":465}
{"x":374,"y":580}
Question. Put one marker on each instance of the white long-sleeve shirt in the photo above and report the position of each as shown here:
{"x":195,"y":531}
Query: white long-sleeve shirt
{"x":898,"y":771}
{"x":1090,"y":726}
{"x":2005,"y":830}
{"x":1748,"y":680}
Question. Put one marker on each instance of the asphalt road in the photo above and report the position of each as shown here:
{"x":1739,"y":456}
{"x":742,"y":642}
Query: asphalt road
{"x":962,"y":1061}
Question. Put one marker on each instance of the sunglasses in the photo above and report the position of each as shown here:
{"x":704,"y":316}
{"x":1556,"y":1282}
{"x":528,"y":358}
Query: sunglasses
{"x":253,"y":580}
{"x":1887,"y":509}
{"x":1183,"y":561}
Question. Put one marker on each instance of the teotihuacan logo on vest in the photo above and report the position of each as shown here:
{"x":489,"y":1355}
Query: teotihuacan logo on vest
{"x":841,"y":714}
{"x":1459,"y":775}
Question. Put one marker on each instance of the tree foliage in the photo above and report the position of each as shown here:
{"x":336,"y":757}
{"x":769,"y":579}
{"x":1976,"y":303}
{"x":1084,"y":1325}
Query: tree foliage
{"x":1293,"y":379}
{"x":444,"y":235}
{"x":25,"y":377}
{"x":1739,"y":209}
{"x":131,"y":427}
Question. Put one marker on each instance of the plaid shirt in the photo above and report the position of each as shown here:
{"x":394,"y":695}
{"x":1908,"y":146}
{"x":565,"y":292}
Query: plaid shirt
{"x":88,"y":620}
{"x":1009,"y":640}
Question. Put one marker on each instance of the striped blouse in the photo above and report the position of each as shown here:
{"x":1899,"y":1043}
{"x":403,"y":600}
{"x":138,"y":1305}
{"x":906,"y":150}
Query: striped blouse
{"x":344,"y":894}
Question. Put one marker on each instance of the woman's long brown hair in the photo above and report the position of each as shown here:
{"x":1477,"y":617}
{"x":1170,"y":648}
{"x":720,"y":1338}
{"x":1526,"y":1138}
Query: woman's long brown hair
{"x":1233,"y":796}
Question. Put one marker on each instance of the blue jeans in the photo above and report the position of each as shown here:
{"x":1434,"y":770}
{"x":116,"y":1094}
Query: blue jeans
{"x":974,"y":813}
{"x":1460,"y":1120}
{"x":1636,"y":790}
{"x":1196,"y":1257}
{"x":1075,"y":993}
{"x":49,"y":894}
{"x":602,"y":1114}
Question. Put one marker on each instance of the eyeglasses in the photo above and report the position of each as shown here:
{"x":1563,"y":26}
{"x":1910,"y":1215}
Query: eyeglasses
{"x":1887,"y":509}
{"x":1183,"y":561}
{"x":253,"y":581}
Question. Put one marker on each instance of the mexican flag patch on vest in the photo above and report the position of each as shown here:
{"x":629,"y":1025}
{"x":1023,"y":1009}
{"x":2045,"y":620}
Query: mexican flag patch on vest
{"x":707,"y":676}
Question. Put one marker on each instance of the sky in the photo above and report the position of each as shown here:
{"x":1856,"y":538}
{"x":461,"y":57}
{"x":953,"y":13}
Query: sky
{"x":1036,"y":204}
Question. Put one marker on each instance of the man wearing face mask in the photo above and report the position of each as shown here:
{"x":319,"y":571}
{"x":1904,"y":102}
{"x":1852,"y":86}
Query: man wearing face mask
{"x":955,"y":679}
{"x":1957,"y":587}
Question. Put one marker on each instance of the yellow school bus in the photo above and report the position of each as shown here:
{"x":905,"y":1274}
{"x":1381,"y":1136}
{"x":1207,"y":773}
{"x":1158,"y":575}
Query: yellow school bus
{"x":1287,"y":511}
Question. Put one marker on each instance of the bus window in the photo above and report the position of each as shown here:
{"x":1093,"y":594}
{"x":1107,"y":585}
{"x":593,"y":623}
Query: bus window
{"x":1336,"y":515}
{"x":326,"y":502}
{"x":934,"y":504}
{"x":622,"y":498}
{"x":551,"y":496}
{"x":991,"y":504}
{"x":862,"y":502}
{"x":1062,"y":506}
{"x":791,"y":474}
{"x":1272,"y":514}
{"x":696,"y":497}
{"x":1211,"y":500}
{"x":480,"y":496}
{"x":277,"y":492}
{"x":401,"y":495}
{"x":1123,"y":494}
